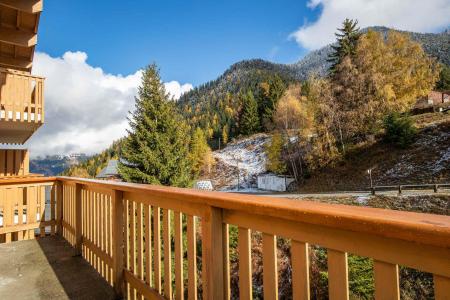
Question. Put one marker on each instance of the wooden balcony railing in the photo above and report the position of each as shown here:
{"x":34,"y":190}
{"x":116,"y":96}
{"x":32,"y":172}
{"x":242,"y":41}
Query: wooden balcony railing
{"x":21,"y":105}
{"x":125,"y":232}
{"x":22,"y":208}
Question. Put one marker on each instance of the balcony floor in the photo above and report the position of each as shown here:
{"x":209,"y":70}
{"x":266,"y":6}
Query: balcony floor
{"x":46,"y":269}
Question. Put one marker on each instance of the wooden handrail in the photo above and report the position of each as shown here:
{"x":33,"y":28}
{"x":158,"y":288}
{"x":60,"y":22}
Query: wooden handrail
{"x":410,"y":226}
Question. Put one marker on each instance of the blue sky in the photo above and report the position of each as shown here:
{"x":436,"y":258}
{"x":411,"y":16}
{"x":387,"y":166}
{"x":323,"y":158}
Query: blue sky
{"x":191,"y":41}
{"x":91,"y":52}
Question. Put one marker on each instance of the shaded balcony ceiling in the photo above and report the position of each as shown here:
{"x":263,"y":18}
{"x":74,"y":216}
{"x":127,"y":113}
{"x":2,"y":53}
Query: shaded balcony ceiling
{"x":19,"y":21}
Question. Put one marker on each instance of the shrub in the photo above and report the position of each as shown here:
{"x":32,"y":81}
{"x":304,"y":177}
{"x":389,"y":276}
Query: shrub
{"x":399,"y":130}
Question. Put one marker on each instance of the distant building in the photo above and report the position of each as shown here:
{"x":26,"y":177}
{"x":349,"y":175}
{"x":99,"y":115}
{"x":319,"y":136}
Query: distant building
{"x":110,"y":172}
{"x":433,"y":98}
{"x":272,"y":182}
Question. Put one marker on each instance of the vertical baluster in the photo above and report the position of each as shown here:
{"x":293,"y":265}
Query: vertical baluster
{"x":148,"y":247}
{"x":59,"y":208}
{"x":31,"y":208}
{"x":245,"y":269}
{"x":119,"y":218}
{"x":157,"y":248}
{"x":92,"y":217}
{"x":78,"y":218}
{"x":300,"y":270}
{"x":167,"y":255}
{"x":270,"y":272}
{"x":178,"y":255}
{"x":41,"y":190}
{"x":102,"y":232}
{"x":139,"y":246}
{"x":126,"y":220}
{"x":96,"y":225}
{"x":110,"y":277}
{"x":139,"y":252}
{"x":8,"y":217}
{"x":192,"y":258}
{"x":386,"y":280}
{"x":52,"y":208}
{"x":226,"y":261}
{"x":441,"y":287}
{"x":337,"y":275}
{"x":83,"y":223}
{"x":20,"y":233}
{"x":133,"y":243}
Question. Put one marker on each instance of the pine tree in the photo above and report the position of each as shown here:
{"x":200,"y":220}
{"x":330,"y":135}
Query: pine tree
{"x":268,"y":95}
{"x":156,"y":149}
{"x":347,"y":40}
{"x":249,"y":119}
{"x":443,"y":83}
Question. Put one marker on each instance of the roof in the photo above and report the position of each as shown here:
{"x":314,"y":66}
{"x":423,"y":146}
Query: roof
{"x":19,"y":21}
{"x":110,"y":170}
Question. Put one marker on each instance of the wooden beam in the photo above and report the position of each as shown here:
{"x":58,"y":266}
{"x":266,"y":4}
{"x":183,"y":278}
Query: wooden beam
{"x":17,"y":37}
{"x":29,"y":6}
{"x":21,"y":64}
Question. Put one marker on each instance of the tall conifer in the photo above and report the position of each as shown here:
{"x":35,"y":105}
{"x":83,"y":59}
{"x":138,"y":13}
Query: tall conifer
{"x":249,"y":122}
{"x":156,"y":149}
{"x":347,"y":40}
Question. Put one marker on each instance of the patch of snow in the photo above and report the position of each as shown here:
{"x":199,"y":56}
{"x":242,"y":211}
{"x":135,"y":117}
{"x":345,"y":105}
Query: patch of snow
{"x":363,"y":200}
{"x":247,"y":156}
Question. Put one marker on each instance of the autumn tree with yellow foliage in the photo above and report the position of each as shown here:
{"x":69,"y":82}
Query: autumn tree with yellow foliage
{"x":200,"y":154}
{"x":385,"y":75}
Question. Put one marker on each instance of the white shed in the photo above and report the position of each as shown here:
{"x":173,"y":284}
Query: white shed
{"x":272,"y":182}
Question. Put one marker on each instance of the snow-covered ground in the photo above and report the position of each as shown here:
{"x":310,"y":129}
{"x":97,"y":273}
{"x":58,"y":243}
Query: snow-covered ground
{"x":245,"y":156}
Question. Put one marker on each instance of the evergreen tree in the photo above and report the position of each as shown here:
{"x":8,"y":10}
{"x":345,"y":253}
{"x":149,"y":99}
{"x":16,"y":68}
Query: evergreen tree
{"x":347,"y":40}
{"x":156,"y":149}
{"x":269,"y":93}
{"x":249,"y":120}
{"x":444,"y":79}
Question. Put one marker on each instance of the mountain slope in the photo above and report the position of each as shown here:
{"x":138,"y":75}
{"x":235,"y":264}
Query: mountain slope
{"x":215,"y":103}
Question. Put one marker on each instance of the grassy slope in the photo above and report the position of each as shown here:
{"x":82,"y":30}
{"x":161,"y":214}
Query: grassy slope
{"x":422,"y":162}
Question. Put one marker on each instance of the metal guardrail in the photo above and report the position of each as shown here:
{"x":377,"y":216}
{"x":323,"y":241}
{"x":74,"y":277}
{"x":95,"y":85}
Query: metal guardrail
{"x":403,"y":187}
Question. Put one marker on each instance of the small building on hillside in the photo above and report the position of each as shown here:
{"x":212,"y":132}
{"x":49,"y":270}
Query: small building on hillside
{"x":434,"y":98}
{"x":110,"y":172}
{"x":272,"y":182}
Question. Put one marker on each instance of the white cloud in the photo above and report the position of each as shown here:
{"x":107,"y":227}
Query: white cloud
{"x":175,"y":89}
{"x":85,"y":108}
{"x":411,"y":15}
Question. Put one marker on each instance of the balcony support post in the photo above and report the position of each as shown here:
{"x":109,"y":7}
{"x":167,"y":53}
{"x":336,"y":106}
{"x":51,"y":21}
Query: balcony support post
{"x":212,"y":248}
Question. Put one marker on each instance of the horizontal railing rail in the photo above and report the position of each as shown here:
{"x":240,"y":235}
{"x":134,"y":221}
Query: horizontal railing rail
{"x":21,"y":97}
{"x":132,"y":234}
{"x":142,"y":216}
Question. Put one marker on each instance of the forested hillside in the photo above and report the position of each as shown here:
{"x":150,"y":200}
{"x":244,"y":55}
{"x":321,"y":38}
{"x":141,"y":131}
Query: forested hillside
{"x":216,"y":106}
